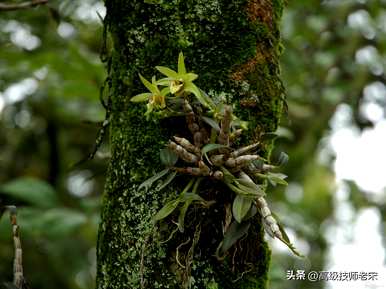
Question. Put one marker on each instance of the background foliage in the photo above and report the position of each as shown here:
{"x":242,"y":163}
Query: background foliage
{"x":50,"y":113}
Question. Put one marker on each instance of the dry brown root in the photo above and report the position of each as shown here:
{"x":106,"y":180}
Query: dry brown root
{"x":187,"y":145}
{"x":182,"y":152}
{"x":202,"y":170}
{"x":241,"y":161}
{"x":218,"y":175}
{"x":244,"y":150}
{"x":191,"y":120}
{"x":223,"y":137}
{"x":18,"y":278}
{"x":198,"y":139}
{"x":268,"y":220}
{"x":252,"y":169}
{"x":218,"y":160}
{"x":189,"y":171}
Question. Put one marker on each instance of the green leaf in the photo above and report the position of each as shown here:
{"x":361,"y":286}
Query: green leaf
{"x":259,"y":164}
{"x":251,"y":213}
{"x":168,"y":180}
{"x":141,"y":97}
{"x":286,"y":239}
{"x":211,"y":122}
{"x":167,"y":210}
{"x":31,"y":190}
{"x":276,"y":178}
{"x":212,"y":146}
{"x":190,"y":87}
{"x":250,"y":187}
{"x":148,"y":85}
{"x":168,"y":157}
{"x":241,"y":206}
{"x":148,"y":183}
{"x":181,"y":217}
{"x":208,"y":100}
{"x":233,"y":234}
{"x":282,"y":159}
{"x":181,"y":64}
{"x":191,"y":197}
{"x":243,"y":187}
{"x":229,"y":178}
{"x":53,"y":223}
{"x":61,"y":221}
{"x":168,"y":72}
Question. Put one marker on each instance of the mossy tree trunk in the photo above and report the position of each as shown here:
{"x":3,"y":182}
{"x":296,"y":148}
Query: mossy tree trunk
{"x":234,"y":46}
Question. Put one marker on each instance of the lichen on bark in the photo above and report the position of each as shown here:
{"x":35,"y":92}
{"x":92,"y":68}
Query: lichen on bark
{"x":233,"y":45}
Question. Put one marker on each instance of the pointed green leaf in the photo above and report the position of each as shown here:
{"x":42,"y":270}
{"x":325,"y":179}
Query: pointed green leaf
{"x":141,"y":97}
{"x":233,"y":234}
{"x":181,"y":217}
{"x":258,"y":164}
{"x":212,"y":146}
{"x":249,"y":188}
{"x":168,"y":180}
{"x":241,"y":206}
{"x":286,"y":239}
{"x":209,"y":147}
{"x":190,"y":87}
{"x":168,"y":157}
{"x":244,"y":191}
{"x":282,"y":159}
{"x":208,"y":100}
{"x":211,"y":122}
{"x":149,"y":182}
{"x":229,"y":178}
{"x":166,"y":210}
{"x":191,"y":197}
{"x":251,"y":213}
{"x":181,"y":64}
{"x":277,"y":178}
{"x":167,"y":71}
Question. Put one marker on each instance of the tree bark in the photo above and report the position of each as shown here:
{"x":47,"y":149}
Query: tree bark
{"x":233,"y":45}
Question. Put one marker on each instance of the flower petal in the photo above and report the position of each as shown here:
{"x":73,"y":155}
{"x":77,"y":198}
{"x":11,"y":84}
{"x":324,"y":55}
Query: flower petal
{"x":167,"y":71}
{"x":141,"y":97}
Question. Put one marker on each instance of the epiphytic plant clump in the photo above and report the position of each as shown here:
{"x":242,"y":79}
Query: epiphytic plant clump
{"x":211,"y":153}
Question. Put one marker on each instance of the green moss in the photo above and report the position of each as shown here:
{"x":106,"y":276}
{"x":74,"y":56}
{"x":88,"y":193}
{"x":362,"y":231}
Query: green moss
{"x":217,"y":38}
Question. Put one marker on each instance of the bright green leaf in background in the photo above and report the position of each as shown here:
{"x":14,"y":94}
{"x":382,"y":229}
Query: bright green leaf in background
{"x":30,"y":190}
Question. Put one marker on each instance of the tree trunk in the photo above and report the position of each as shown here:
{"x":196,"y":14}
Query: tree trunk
{"x":233,"y":45}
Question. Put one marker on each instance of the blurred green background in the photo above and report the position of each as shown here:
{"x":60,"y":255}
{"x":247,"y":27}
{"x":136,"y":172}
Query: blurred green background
{"x":334,"y":132}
